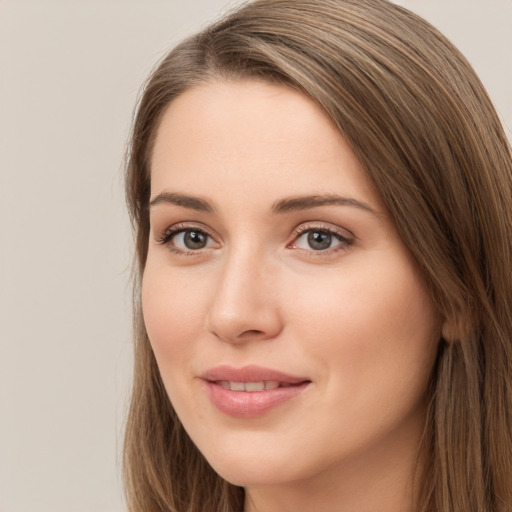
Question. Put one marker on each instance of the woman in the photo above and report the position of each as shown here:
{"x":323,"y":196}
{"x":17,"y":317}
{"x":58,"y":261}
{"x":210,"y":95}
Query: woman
{"x":322,"y":198}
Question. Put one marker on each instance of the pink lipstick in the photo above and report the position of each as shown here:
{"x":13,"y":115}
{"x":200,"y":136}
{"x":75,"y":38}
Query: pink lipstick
{"x":250,"y":391}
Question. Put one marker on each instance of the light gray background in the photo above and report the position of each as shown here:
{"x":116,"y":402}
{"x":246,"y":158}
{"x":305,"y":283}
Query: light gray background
{"x":69,"y":75}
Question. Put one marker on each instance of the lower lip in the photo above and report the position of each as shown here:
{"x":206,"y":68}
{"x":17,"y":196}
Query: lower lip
{"x":251,"y":404}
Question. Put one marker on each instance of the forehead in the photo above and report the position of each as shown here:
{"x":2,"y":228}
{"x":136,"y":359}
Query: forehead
{"x":252,"y":138}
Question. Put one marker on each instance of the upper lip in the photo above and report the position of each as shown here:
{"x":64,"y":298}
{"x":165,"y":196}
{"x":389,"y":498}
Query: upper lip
{"x":250,"y":373}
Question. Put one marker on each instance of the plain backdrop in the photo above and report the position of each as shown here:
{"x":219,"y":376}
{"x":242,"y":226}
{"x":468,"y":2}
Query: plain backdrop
{"x":70,"y":72}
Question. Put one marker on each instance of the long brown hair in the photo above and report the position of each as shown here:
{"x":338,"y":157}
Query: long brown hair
{"x":423,"y":127}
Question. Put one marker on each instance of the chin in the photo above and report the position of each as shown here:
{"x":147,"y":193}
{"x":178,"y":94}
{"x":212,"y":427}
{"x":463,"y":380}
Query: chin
{"x":251,"y":475}
{"x":257,"y":469}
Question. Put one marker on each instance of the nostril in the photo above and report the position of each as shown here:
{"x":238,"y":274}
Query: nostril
{"x":250,"y":332}
{"x":244,"y":335}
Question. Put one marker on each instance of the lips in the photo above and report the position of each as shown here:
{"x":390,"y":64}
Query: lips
{"x":251,"y":391}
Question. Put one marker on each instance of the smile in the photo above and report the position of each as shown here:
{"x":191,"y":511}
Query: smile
{"x":252,"y":386}
{"x":251,"y":391}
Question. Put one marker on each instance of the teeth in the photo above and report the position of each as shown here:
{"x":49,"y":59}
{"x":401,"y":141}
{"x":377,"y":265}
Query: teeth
{"x":248,"y":386}
{"x":237,"y":386}
{"x":254,"y":386}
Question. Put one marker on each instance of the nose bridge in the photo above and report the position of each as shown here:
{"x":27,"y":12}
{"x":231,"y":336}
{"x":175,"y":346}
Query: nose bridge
{"x":243,"y":306}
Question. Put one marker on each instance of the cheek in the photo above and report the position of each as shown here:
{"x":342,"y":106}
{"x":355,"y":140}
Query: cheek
{"x":172,"y":316}
{"x":377,"y":330}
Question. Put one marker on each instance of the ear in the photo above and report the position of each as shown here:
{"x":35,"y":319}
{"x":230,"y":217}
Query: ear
{"x":457,"y":328}
{"x":449,"y":332}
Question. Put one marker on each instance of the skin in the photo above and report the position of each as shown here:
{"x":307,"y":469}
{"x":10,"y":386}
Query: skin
{"x":355,"y":319}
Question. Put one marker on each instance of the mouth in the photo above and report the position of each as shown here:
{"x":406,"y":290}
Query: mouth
{"x":251,"y":391}
{"x":251,"y":374}
{"x":251,"y":387}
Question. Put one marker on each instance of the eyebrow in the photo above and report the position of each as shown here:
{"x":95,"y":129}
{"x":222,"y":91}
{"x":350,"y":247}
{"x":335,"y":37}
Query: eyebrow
{"x":191,"y":202}
{"x":286,"y":205}
{"x":307,"y":202}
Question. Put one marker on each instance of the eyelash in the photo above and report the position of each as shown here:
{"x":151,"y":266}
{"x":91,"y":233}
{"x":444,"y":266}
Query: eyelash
{"x":166,"y":238}
{"x":345,"y":240}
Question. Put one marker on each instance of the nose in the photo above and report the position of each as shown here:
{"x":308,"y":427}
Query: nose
{"x":244,"y":305}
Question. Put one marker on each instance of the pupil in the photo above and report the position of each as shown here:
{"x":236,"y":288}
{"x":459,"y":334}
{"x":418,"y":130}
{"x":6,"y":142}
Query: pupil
{"x":319,"y":240}
{"x":194,"y":240}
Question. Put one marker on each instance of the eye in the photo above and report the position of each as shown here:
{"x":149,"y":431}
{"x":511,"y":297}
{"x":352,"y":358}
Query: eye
{"x":191,"y":239}
{"x":320,"y":239}
{"x":316,"y":240}
{"x":186,"y":239}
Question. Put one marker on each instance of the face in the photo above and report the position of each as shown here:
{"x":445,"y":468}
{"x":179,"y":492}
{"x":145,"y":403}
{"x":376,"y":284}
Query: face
{"x":285,"y":313}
